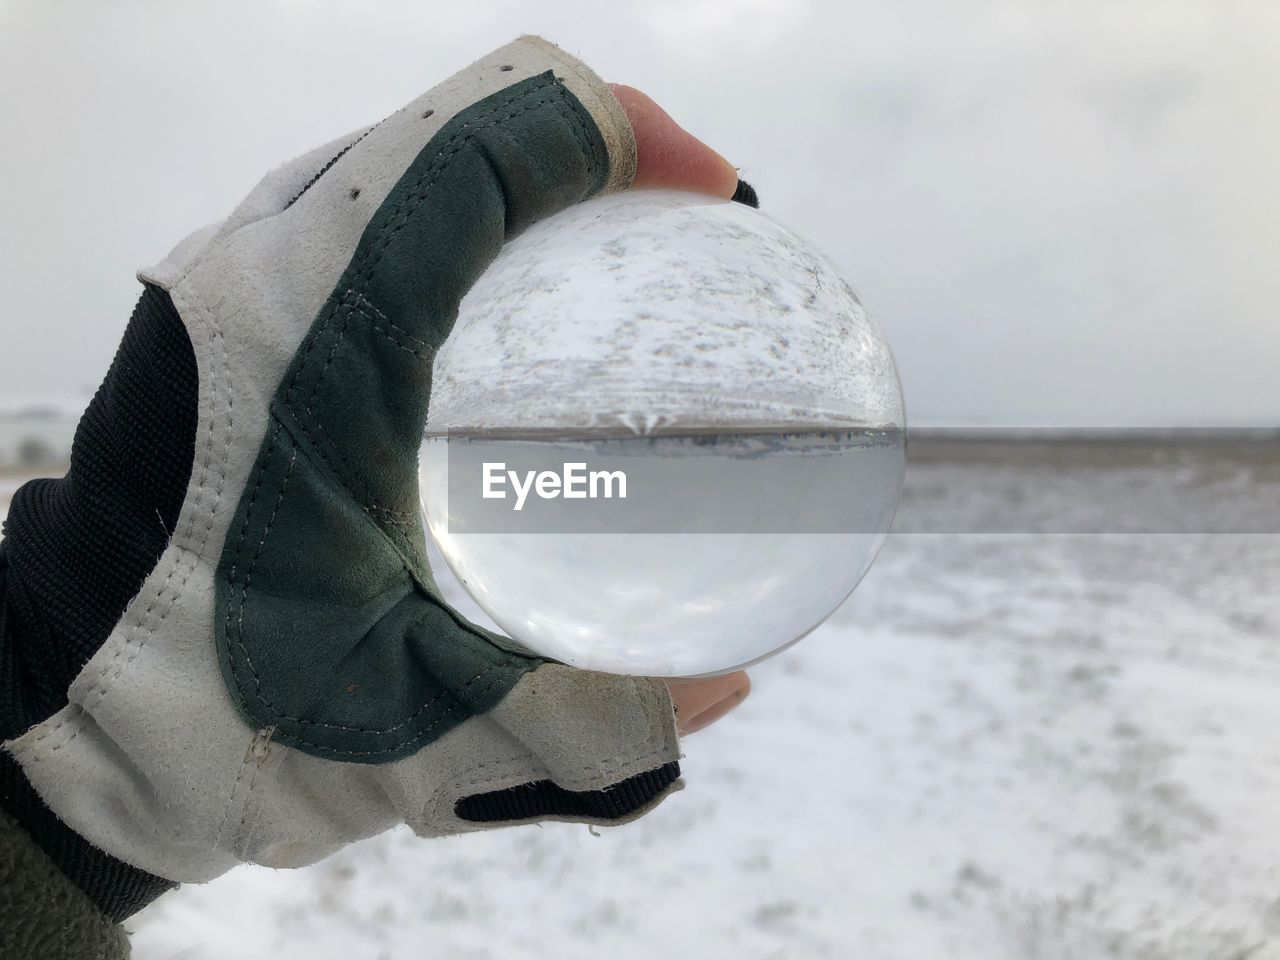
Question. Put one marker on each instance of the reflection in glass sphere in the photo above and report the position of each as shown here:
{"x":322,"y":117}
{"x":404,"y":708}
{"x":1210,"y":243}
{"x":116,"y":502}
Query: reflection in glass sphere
{"x":663,"y":438}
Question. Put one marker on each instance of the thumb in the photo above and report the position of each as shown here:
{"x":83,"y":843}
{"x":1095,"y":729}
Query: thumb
{"x":669,"y":156}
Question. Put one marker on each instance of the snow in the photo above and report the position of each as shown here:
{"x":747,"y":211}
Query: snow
{"x":661,"y":311}
{"x":1013,"y":745}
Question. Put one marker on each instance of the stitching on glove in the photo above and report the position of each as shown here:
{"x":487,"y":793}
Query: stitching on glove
{"x":325,"y":169}
{"x":260,"y":748}
{"x":380,"y":322}
{"x":352,"y":299}
{"x":275,"y":511}
{"x":417,"y":738}
{"x":137,"y":637}
{"x":606,"y":105}
{"x":418,"y":192}
{"x":320,"y":440}
{"x":102,"y":684}
{"x":245,"y":764}
{"x":230,"y":802}
{"x":586,"y":775}
{"x":583,"y":137}
{"x":257,"y":487}
{"x":257,"y":681}
{"x":461,"y":138}
{"x":303,"y":721}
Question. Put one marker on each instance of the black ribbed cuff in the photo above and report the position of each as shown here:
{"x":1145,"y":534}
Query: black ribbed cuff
{"x":746,"y":194}
{"x":116,"y":888}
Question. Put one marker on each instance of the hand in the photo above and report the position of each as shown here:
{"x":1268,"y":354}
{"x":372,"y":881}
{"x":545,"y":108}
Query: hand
{"x":287,"y":679}
{"x":700,"y":703}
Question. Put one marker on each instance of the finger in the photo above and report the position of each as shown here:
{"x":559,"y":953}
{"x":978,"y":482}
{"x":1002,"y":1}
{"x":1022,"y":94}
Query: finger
{"x":669,"y":156}
{"x":718,"y":709}
{"x":692,"y":698}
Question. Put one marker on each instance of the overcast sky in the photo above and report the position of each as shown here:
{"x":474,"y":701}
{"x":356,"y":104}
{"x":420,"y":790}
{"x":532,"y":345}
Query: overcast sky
{"x":1060,"y":212}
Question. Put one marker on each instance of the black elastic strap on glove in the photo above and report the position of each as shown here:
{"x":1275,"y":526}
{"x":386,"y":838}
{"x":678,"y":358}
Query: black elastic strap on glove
{"x":546,"y":798}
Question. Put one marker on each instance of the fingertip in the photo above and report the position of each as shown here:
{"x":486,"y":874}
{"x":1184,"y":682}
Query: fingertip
{"x":699,"y":703}
{"x":741,"y":688}
{"x":669,"y":156}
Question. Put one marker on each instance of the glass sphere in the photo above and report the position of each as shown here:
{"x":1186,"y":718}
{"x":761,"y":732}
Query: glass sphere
{"x":664,"y":438}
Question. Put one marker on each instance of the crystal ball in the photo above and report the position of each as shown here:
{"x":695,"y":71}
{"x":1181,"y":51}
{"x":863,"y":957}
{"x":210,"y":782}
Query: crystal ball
{"x":663,"y":437}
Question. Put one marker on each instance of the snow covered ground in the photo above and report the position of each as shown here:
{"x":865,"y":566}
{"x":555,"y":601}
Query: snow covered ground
{"x":1030,"y":746}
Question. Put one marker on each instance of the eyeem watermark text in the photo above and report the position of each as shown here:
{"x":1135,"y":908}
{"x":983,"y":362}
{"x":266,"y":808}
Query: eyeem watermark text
{"x":573,"y":482}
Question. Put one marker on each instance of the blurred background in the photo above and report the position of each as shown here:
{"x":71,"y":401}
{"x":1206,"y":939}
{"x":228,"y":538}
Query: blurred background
{"x":1046,"y":724}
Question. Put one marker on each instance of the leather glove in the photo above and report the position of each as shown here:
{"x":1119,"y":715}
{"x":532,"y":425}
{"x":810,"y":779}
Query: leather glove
{"x":286,"y":678}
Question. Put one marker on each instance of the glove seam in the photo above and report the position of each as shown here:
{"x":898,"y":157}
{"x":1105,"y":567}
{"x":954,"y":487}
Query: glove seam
{"x":257,"y":693}
{"x":607,"y":110}
{"x":319,"y":439}
{"x":330,"y":164}
{"x":259,"y":749}
{"x":245,"y":764}
{"x":378,"y":319}
{"x":287,"y":427}
{"x":139,"y":634}
{"x":456,"y":143}
{"x":546,"y":93}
